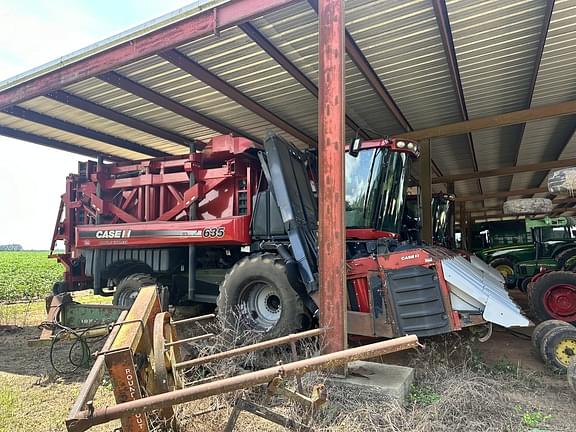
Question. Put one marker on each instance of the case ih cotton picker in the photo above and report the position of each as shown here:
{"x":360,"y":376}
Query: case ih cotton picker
{"x":235,"y":224}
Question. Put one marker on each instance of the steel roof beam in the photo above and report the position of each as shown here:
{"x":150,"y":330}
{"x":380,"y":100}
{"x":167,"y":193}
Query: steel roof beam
{"x":494,"y":121}
{"x":156,"y":98}
{"x":82,"y":131}
{"x":537,"y":62}
{"x":101,"y":111}
{"x":363,"y":65}
{"x":505,"y":171}
{"x":253,"y":33}
{"x":441,"y":13}
{"x":199,"y":72}
{"x":501,"y":194}
{"x":55,"y":144}
{"x":204,"y":23}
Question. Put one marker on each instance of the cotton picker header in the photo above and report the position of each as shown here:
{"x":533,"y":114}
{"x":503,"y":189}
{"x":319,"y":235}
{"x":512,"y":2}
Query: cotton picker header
{"x":234,"y":223}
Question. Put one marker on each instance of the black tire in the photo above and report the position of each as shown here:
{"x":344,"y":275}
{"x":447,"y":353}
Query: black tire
{"x":563,"y":257}
{"x":553,"y":296}
{"x":500,"y":263}
{"x":527,"y":206}
{"x":256,"y":295}
{"x":523,"y":286}
{"x":541,"y":329}
{"x":558,"y":347}
{"x":59,"y":288}
{"x":128,"y":288}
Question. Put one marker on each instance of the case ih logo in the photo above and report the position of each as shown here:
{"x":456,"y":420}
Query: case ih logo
{"x":409,"y":257}
{"x":113,"y":234}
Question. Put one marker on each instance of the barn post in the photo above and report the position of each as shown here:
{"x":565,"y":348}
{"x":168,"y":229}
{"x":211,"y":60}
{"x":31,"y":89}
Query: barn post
{"x":332,"y":230}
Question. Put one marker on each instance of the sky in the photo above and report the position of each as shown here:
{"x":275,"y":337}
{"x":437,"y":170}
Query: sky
{"x":34,"y":32}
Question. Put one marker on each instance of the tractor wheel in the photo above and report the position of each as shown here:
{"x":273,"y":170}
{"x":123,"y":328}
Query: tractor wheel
{"x":571,"y":372}
{"x":541,"y":329}
{"x":558,"y":347}
{"x":553,"y":296}
{"x":129,"y":287}
{"x":505,"y":267}
{"x":256,"y":295}
{"x":565,"y":259}
{"x":524,"y":285}
{"x":527,"y":206}
{"x":562,"y":181}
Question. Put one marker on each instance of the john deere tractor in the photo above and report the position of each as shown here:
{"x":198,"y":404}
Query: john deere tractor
{"x":553,"y":247}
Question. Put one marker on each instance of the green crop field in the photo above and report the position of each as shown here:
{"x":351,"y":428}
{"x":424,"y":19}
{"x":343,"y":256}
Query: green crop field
{"x":27,"y":275}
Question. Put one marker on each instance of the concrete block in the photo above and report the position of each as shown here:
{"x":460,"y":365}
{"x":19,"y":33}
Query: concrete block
{"x":374,"y":380}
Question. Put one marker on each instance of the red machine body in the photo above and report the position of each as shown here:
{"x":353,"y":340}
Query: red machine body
{"x":144,"y":204}
{"x":195,"y":223}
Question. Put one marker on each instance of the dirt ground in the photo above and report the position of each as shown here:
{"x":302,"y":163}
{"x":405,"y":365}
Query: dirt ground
{"x":461,"y":385}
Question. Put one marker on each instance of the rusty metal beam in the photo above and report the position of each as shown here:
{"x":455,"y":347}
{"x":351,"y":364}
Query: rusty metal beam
{"x":535,"y":167}
{"x":250,"y":348}
{"x":204,"y":23}
{"x":55,"y":144}
{"x":501,"y":194}
{"x":331,"y":228}
{"x":86,"y":419}
{"x":253,"y":33}
{"x":156,"y":98}
{"x":363,"y":65}
{"x":101,"y":111}
{"x":494,"y":121}
{"x":426,"y":191}
{"x":443,"y":20}
{"x":441,"y":14}
{"x":94,"y":378}
{"x":195,"y":69}
{"x":537,"y":62}
{"x":82,"y":131}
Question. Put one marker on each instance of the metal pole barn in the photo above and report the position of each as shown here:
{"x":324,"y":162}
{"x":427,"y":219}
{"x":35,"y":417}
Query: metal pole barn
{"x":332,"y":231}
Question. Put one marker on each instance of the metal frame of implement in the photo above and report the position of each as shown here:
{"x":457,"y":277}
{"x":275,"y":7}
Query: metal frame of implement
{"x":142,"y":353}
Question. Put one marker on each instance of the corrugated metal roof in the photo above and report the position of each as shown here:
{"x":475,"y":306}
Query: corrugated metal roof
{"x":496,"y":45}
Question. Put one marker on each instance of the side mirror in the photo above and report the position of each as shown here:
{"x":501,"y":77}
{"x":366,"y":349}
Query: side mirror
{"x":355,"y":145}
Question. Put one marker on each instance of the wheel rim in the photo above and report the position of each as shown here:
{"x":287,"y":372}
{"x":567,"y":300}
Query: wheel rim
{"x":260,"y":305}
{"x":127,"y":297}
{"x":505,"y":270}
{"x":565,"y":351}
{"x":560,"y":302}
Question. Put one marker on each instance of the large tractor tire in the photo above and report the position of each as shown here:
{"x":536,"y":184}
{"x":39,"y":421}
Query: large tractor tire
{"x":553,"y":296}
{"x":566,"y":258}
{"x":558,"y":347}
{"x":505,"y":267}
{"x":527,"y":206}
{"x":128,"y":288}
{"x":562,"y":181}
{"x":256,"y":295}
{"x":541,"y":329}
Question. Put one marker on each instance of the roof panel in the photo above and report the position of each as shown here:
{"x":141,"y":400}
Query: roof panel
{"x":56,"y":134}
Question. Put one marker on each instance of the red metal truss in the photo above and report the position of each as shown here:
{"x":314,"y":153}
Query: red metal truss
{"x":205,"y":23}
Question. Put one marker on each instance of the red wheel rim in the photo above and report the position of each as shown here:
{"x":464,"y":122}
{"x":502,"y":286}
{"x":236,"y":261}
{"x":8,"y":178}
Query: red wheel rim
{"x":560,"y":302}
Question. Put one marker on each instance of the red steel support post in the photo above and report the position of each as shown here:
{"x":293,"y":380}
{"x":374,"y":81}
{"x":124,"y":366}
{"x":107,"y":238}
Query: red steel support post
{"x":332,"y":230}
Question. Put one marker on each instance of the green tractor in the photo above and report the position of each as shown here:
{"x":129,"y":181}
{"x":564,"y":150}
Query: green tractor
{"x":553,"y":247}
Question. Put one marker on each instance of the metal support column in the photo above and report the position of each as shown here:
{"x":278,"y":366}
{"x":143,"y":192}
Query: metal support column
{"x":192,"y":216}
{"x":451,"y":217}
{"x":332,"y":231}
{"x":463,"y":230}
{"x":426,"y":191}
{"x":96,"y":274}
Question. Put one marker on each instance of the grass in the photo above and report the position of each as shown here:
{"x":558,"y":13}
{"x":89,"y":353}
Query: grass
{"x":27,"y":275}
{"x":9,"y":403}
